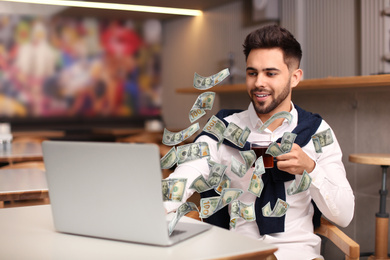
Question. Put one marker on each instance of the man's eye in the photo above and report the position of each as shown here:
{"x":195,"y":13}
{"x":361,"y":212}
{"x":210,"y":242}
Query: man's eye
{"x":271,"y":74}
{"x":252,"y":73}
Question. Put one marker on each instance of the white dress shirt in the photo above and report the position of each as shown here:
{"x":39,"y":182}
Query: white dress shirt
{"x":329,"y":188}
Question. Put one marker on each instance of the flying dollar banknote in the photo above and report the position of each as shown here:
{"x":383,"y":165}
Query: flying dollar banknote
{"x":208,"y":206}
{"x":238,"y":167}
{"x":256,"y":185}
{"x":287,"y":141}
{"x":303,"y":185}
{"x":224,"y":184}
{"x":203,"y":83}
{"x":173,"y":189}
{"x":227,"y":196}
{"x":200,"y":184}
{"x":169,"y":160}
{"x":236,"y":135}
{"x":217,"y":171}
{"x":249,"y":157}
{"x":322,"y":139}
{"x":282,"y":114}
{"x":238,"y":209}
{"x":172,"y":138}
{"x":204,"y":102}
{"x":216,"y":127}
{"x":193,"y":151}
{"x":259,"y":166}
{"x":279,"y":210}
{"x":181,"y":211}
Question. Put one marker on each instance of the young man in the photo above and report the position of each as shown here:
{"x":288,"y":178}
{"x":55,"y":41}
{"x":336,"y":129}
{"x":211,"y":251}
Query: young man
{"x":272,"y":70}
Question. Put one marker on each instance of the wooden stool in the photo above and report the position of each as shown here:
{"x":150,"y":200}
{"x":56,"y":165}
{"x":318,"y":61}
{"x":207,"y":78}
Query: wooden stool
{"x":382,"y":218}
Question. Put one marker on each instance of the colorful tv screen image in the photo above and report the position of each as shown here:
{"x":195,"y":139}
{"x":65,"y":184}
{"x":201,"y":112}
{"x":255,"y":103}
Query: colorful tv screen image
{"x":85,"y":67}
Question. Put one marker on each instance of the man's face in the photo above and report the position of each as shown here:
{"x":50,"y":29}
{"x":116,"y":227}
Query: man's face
{"x":269,"y":81}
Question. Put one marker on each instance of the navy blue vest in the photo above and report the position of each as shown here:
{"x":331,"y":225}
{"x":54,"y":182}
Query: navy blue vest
{"x":273,"y":178}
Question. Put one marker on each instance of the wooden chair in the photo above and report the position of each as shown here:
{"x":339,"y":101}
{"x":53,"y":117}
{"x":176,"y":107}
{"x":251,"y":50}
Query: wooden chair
{"x":349,"y":247}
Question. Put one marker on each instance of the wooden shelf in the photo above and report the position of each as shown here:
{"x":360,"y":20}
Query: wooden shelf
{"x":309,"y":84}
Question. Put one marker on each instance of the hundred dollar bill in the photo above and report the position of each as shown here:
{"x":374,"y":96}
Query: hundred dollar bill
{"x":235,"y":209}
{"x":274,"y":149}
{"x":279,"y":210}
{"x":204,"y":102}
{"x":244,"y":137}
{"x":238,"y":167}
{"x":200,"y":184}
{"x":247,"y":211}
{"x":325,"y":137}
{"x":169,"y":160}
{"x":317,"y":144}
{"x":208,"y":206}
{"x":233,"y":222}
{"x":172,"y":138}
{"x":249,"y":157}
{"x":216,"y":173}
{"x":203,"y":83}
{"x":216,"y":127}
{"x":287,"y":141}
{"x":236,"y":135}
{"x":303,"y":185}
{"x":239,"y":209}
{"x":193,"y":151}
{"x":181,"y":211}
{"x":173,"y":189}
{"x":224,"y":184}
{"x":259,"y":166}
{"x":256,"y":185}
{"x":227,"y":196}
{"x":283,"y":114}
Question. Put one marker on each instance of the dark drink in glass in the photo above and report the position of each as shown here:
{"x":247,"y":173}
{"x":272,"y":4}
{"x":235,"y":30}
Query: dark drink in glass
{"x":260,"y":150}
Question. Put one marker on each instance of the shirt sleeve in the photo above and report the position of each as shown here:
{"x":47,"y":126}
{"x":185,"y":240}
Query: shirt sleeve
{"x":330,"y":188}
{"x":192,"y":170}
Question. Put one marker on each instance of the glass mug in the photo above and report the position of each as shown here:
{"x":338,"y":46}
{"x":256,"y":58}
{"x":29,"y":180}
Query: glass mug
{"x":260,"y":147}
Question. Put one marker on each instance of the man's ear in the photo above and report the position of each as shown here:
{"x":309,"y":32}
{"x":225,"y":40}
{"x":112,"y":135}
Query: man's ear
{"x":296,"y":77}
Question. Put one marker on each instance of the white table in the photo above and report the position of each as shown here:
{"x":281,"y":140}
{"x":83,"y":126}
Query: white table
{"x":22,"y":184}
{"x":28,"y":233}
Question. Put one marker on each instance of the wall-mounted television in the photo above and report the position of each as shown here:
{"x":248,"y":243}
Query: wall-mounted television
{"x":64,"y":72}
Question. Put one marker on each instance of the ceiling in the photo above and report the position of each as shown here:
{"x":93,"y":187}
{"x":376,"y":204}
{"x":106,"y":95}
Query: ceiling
{"x":122,"y":15}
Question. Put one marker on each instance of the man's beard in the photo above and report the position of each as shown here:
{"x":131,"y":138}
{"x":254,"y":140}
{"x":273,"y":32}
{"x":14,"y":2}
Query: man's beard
{"x":260,"y":107}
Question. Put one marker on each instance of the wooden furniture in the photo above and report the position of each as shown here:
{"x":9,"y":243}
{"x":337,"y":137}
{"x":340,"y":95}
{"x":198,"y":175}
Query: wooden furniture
{"x":22,"y":151}
{"x":350,"y":248}
{"x":308,"y":84}
{"x":382,"y":217}
{"x":28,"y":233}
{"x":23,"y":184}
{"x":47,"y":134}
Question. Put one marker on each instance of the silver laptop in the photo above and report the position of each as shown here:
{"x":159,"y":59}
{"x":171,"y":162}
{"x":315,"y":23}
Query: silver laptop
{"x":110,"y":190}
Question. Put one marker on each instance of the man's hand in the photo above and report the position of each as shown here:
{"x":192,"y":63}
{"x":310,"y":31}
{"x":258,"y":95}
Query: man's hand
{"x":296,"y":161}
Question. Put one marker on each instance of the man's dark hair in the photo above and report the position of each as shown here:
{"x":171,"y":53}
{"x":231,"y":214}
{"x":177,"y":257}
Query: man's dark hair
{"x":274,"y":36}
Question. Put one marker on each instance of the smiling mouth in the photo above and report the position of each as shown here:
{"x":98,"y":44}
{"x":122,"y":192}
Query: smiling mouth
{"x":262,"y":95}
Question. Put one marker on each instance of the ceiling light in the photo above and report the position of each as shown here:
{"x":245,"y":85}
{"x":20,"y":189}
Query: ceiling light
{"x":114,"y":6}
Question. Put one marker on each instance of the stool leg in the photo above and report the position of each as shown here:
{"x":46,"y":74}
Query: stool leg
{"x":382,"y":221}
